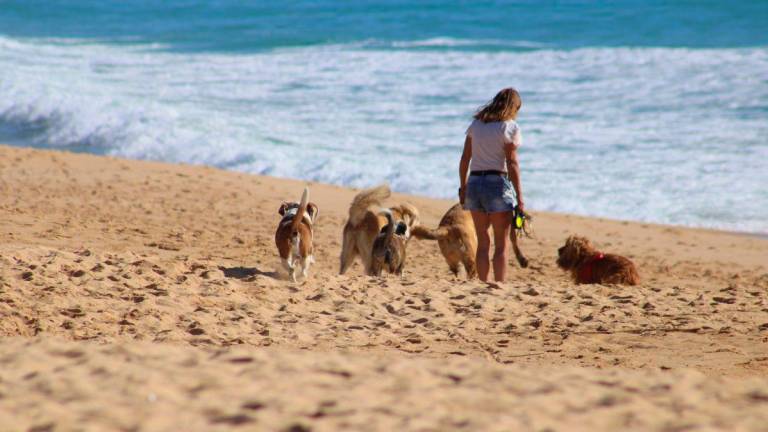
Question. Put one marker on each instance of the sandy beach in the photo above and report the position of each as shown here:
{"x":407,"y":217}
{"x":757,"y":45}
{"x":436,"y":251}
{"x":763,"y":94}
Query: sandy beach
{"x":143,"y":296}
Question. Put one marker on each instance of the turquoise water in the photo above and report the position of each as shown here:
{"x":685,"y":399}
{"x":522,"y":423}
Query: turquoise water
{"x":236,"y":27}
{"x":641,"y":110}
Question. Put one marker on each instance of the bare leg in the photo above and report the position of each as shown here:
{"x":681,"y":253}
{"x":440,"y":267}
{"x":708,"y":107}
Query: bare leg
{"x":482,"y":222}
{"x":501,"y":226}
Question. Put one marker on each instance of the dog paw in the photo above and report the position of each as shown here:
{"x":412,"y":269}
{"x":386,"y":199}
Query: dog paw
{"x":523,"y":262}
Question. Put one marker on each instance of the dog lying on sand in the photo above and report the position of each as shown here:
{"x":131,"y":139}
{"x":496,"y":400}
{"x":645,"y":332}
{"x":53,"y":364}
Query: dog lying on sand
{"x":364,"y":225}
{"x":589,"y":266}
{"x":389,"y":247}
{"x":457,"y":239}
{"x":294,"y":236}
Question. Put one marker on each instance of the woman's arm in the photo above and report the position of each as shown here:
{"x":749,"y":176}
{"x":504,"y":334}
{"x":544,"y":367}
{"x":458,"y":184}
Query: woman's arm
{"x":466,"y":156}
{"x":513,"y":170}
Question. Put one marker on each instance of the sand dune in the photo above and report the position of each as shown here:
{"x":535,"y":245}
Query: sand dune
{"x":143,"y":296}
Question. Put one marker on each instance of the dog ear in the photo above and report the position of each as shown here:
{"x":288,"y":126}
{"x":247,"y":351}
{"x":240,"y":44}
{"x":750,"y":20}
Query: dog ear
{"x":283,"y":209}
{"x":313,"y":211}
{"x":409,"y":214}
{"x":585,"y":245}
{"x":572,"y":244}
{"x":580,"y":246}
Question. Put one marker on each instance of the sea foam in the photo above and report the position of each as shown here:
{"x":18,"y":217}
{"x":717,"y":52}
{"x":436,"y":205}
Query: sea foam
{"x":666,"y":135}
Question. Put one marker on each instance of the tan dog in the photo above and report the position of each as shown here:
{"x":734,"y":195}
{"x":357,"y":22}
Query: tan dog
{"x":587,"y":265}
{"x":294,"y":236}
{"x":457,"y":239}
{"x":389,"y":247}
{"x":364,"y":225}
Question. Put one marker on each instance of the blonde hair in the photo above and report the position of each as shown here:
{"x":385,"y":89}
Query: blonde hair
{"x":503,"y":107}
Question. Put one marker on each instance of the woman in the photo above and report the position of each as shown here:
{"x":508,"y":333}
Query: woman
{"x":489,"y":191}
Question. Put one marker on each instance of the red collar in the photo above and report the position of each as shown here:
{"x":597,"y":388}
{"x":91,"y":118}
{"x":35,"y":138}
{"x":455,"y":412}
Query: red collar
{"x":586,"y":271}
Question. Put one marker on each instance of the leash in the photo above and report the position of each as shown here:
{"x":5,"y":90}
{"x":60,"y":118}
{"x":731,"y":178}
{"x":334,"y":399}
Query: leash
{"x":521,"y":222}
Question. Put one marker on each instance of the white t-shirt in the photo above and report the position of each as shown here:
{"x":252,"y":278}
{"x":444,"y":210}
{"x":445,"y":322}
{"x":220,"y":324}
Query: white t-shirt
{"x":488,"y":141}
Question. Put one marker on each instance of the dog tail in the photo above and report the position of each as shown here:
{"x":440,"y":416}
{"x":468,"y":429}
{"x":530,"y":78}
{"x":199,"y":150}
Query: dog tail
{"x":299,"y":216}
{"x":410,"y":215}
{"x":390,"y":225}
{"x":366,"y":199}
{"x":424,"y":233}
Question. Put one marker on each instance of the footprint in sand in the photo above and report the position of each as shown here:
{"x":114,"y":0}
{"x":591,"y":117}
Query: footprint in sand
{"x":74,"y":312}
{"x":726,"y":300}
{"x":46,"y":427}
{"x":297,"y":427}
{"x":194,"y":329}
{"x":232,"y":420}
{"x":77,"y":273}
{"x":531,"y":292}
{"x":252,"y":405}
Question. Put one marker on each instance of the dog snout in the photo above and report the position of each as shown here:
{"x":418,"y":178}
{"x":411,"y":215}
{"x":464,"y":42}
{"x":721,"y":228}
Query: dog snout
{"x":560,"y":260}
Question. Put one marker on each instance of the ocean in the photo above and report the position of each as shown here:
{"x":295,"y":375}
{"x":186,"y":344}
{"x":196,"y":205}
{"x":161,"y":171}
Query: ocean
{"x":650,"y":110}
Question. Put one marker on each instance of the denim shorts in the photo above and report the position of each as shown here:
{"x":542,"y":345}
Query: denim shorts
{"x":490,"y":194}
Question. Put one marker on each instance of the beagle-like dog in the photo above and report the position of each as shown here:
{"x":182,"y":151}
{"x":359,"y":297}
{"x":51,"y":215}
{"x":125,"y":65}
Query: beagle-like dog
{"x":294,"y":236}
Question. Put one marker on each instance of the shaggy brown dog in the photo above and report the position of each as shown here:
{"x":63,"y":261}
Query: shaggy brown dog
{"x":457,"y":239}
{"x":389,"y":247}
{"x":587,"y":265}
{"x":364,"y":225}
{"x":293,"y":237}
